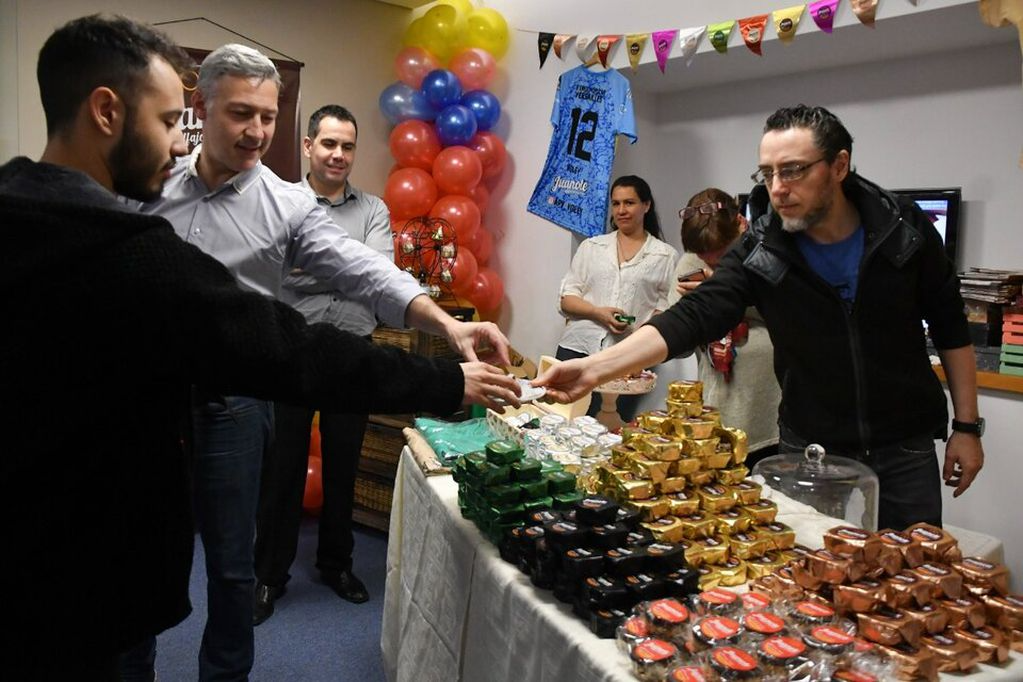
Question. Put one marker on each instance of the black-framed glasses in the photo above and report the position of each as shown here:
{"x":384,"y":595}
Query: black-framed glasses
{"x":790,"y":173}
{"x":709,"y":208}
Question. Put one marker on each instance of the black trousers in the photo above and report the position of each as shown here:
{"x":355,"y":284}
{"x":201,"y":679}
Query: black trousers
{"x":283,"y":485}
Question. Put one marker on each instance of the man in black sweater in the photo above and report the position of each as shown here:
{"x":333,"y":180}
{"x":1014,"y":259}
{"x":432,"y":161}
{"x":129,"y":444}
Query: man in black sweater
{"x":109,"y":320}
{"x":843,"y":274}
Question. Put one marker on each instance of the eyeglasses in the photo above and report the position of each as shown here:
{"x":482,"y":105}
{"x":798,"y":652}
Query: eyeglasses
{"x":787,"y":174}
{"x":710,"y":208}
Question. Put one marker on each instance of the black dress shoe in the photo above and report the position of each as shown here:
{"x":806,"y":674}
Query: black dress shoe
{"x":263,"y":605}
{"x":347,"y":586}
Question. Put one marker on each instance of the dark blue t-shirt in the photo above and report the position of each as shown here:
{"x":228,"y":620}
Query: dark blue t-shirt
{"x":838,"y":263}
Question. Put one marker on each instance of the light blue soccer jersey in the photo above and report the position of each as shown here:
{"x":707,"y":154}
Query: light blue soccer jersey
{"x":590,"y":110}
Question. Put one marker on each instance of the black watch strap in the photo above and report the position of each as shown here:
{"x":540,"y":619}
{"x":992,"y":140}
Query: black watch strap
{"x":976,"y":428}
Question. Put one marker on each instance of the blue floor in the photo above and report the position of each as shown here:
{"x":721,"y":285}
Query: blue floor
{"x":314,"y":636}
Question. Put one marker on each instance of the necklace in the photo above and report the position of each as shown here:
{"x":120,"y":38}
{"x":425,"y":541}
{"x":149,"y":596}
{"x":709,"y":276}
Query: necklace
{"x":629,"y":249}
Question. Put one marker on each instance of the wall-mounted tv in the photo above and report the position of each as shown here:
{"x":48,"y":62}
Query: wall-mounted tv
{"x":941,"y":205}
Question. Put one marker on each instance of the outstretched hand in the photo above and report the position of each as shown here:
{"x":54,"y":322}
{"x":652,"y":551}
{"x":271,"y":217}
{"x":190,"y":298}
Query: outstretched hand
{"x":567,"y":381}
{"x":480,"y":341}
{"x":489,"y":386}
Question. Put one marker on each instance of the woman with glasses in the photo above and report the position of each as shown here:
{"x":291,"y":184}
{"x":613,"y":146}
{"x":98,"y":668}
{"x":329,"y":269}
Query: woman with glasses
{"x":617,"y":281}
{"x":736,"y":370}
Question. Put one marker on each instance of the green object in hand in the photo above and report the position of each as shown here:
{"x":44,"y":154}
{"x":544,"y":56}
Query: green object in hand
{"x":625,"y":319}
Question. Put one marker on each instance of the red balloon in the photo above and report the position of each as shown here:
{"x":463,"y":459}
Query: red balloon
{"x":474,"y":67}
{"x":457,"y":170}
{"x":412,"y":64}
{"x":491,"y":152}
{"x":312,"y":498}
{"x":487,"y":291}
{"x":414,"y":144}
{"x":314,"y":442}
{"x":463,"y":271}
{"x":410,"y":192}
{"x":461,"y":213}
{"x":394,"y":169}
{"x":481,"y":196}
{"x":482,"y":245}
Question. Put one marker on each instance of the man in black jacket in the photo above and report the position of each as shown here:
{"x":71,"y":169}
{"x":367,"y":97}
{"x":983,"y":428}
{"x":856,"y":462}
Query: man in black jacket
{"x":843,"y":275}
{"x":109,"y":318}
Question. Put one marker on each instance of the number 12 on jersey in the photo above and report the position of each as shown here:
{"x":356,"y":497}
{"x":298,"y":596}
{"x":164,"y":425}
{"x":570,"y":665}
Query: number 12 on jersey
{"x":578,"y":138}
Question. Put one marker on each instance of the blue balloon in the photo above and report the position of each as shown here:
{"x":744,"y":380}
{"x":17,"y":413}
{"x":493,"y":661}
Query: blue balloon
{"x":400,"y":102}
{"x":485,"y":106}
{"x":455,"y":125}
{"x":441,"y":88}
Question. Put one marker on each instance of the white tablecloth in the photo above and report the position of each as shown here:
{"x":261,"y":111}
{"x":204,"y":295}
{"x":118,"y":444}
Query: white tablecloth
{"x":454,"y":610}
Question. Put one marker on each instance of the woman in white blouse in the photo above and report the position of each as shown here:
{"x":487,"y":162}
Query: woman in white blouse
{"x":617,"y":280}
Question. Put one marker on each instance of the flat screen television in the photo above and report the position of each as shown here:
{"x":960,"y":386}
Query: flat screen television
{"x":940,"y":204}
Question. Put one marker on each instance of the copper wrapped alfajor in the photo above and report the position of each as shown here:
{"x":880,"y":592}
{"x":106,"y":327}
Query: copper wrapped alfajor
{"x":944,"y":581}
{"x":761,"y":511}
{"x":779,"y":584}
{"x":732,"y":521}
{"x":938,"y":543}
{"x":832,"y":568}
{"x":965,"y":610}
{"x":861,"y":545}
{"x":691,"y":391}
{"x":888,"y":627}
{"x":1005,"y":612}
{"x":1015,"y":638}
{"x":912,"y":663}
{"x":982,"y":576}
{"x":907,"y":588}
{"x":802,"y":576}
{"x":932,"y":617}
{"x":990,"y":642}
{"x":952,"y":654}
{"x":860,"y":596}
{"x":909,"y":548}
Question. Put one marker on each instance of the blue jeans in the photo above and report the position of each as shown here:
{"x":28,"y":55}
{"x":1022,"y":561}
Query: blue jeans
{"x":627,"y":405}
{"x":907,"y":471}
{"x":230,"y":437}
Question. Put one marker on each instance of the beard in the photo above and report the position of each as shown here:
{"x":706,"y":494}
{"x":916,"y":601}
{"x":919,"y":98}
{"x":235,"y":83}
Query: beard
{"x":812,"y":218}
{"x":135,"y":165}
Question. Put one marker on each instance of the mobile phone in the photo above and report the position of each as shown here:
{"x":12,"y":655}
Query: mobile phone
{"x":697,"y":275}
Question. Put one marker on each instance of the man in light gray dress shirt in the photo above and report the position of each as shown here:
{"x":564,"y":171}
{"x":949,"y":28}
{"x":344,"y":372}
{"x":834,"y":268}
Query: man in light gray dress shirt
{"x":225,"y":202}
{"x":330,"y":147}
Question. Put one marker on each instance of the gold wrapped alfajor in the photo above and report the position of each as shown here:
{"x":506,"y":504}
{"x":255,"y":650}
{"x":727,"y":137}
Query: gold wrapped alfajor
{"x":632,"y":436}
{"x":689,"y":391}
{"x":694,"y":427}
{"x":660,"y":448}
{"x":709,"y":578}
{"x":747,"y":545}
{"x":747,"y":492}
{"x":738,"y":440}
{"x":733,"y":572}
{"x":634,"y":490}
{"x":732,"y":476}
{"x":673,"y":484}
{"x":764,"y":565}
{"x":665,"y":529}
{"x":698,"y":525}
{"x":701,"y":478}
{"x":686,"y":466}
{"x":652,"y":421}
{"x":715,"y":498}
{"x":762,"y":511}
{"x":683,"y":503}
{"x":731,"y":521}
{"x":679,"y":409}
{"x":779,"y":535}
{"x":692,"y":552}
{"x":707,"y":450}
{"x":713,"y":550}
{"x":651,"y":469}
{"x":651,"y":509}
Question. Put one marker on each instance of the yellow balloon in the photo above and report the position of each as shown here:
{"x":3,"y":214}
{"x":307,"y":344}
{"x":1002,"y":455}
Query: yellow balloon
{"x":439,"y":33}
{"x":413,"y":34}
{"x":488,"y":30}
{"x":462,"y":7}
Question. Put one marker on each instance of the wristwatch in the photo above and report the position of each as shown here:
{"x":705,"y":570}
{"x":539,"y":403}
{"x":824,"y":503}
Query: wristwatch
{"x":976,"y":428}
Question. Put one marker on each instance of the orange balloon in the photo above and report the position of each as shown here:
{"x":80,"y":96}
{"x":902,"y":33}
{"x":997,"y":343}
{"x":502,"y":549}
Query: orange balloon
{"x":312,"y":498}
{"x":481,"y":196}
{"x":461,"y":213}
{"x":482,"y":245}
{"x":474,"y":67}
{"x":487,"y":291}
{"x":413,"y":63}
{"x":463,"y":271}
{"x":410,"y":192}
{"x":314,"y":441}
{"x":491,"y":152}
{"x":457,"y":170}
{"x":414,"y":144}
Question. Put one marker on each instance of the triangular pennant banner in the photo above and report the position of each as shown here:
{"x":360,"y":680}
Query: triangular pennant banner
{"x":663,"y":41}
{"x":689,"y":40}
{"x":752,"y":29}
{"x":559,"y":43}
{"x":634,"y":43}
{"x":604,"y":45}
{"x":543,"y":45}
{"x":865,"y":10}
{"x":823,"y":13}
{"x":582,"y":44}
{"x":786,"y":21}
{"x":719,"y":33}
